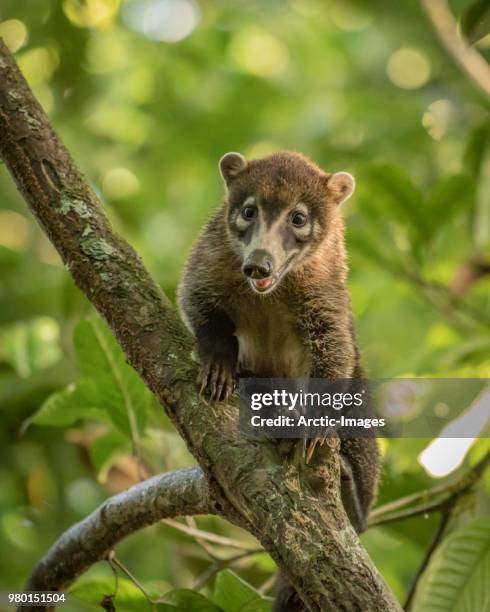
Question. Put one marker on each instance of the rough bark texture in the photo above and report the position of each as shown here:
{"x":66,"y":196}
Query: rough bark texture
{"x":179,"y":493}
{"x":307,"y":533}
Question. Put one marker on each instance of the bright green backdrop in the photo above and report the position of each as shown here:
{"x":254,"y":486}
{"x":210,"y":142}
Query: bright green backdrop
{"x":147,"y":95}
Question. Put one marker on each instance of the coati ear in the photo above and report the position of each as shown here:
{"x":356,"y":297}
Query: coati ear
{"x":340,"y":186}
{"x":230,"y":166}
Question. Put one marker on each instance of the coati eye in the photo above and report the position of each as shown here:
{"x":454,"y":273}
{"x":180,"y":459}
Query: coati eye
{"x":298,"y":219}
{"x":249,"y":212}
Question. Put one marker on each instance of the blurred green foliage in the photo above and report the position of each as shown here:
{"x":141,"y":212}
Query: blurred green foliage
{"x":147,"y":95}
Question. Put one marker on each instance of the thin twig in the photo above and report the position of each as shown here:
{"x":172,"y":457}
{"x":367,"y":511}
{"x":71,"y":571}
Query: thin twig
{"x":439,"y":498}
{"x":427,"y":557}
{"x":467,"y":57}
{"x":110,"y":557}
{"x":209,"y":550}
{"x":267,"y":586}
{"x":133,"y":579}
{"x":210,"y":537}
{"x":408,"y":513}
{"x":408,"y":500}
{"x":221,"y":564}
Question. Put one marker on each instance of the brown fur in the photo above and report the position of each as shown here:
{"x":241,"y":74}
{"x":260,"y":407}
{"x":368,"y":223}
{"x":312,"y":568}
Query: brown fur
{"x":304,"y":327}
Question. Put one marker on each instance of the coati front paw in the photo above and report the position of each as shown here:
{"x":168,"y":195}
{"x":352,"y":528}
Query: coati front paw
{"x":217,"y":379}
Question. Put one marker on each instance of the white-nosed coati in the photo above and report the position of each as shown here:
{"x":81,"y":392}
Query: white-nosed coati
{"x":264,"y":292}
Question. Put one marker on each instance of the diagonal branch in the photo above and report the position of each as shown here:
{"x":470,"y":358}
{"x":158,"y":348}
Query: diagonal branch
{"x":307,"y":533}
{"x":441,"y":498}
{"x":174,"y":494}
{"x":468,"y":58}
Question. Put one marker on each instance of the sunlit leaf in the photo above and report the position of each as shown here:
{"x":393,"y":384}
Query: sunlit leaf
{"x":459,"y":573}
{"x":112,"y":384}
{"x":232,"y":593}
{"x":65,"y":408}
{"x":109,"y":389}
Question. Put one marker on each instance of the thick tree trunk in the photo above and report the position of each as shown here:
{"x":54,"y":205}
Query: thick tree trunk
{"x":308,"y":534}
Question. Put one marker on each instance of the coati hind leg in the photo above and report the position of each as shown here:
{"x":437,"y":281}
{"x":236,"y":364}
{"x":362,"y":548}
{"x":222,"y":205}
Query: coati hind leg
{"x":350,"y":494}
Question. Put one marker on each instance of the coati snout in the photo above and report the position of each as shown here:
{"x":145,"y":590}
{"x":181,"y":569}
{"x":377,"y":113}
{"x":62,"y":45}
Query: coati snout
{"x":258,"y":266}
{"x":278,"y":212}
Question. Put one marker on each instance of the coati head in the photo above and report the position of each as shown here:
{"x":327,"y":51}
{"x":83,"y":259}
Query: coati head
{"x":279,"y":210}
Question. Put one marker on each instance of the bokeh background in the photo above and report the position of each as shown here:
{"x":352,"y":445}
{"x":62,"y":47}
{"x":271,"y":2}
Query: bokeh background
{"x":147,"y":95}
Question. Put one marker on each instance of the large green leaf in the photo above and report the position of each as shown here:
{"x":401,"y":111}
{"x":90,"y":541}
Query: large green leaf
{"x":475,"y":22}
{"x":232,"y":593}
{"x":108,"y":390}
{"x":66,"y":407}
{"x":450,"y":196}
{"x":114,"y":384}
{"x":458,"y":576}
{"x":362,"y":246}
{"x":395,"y":195}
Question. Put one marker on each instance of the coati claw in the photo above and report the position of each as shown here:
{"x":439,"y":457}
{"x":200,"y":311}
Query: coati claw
{"x":310,"y":449}
{"x":202,"y":378}
{"x":311,"y":445}
{"x":216,"y":380}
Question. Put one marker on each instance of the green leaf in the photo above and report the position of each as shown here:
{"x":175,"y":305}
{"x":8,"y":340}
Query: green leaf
{"x":475,"y":22}
{"x":65,"y":408}
{"x":450,"y":196}
{"x":105,"y":449}
{"x":394,"y":194}
{"x":129,"y":598}
{"x":257,"y":605}
{"x":232,"y":593}
{"x":109,"y":390}
{"x":458,"y":576}
{"x":109,"y":382}
{"x":363,"y":246}
{"x":190,"y":601}
{"x":32,"y":346}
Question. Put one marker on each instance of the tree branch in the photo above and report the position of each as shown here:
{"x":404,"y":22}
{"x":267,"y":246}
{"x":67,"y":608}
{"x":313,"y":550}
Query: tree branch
{"x":175,"y":494}
{"x":441,"y":498}
{"x":308,"y":534}
{"x":467,"y":57}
